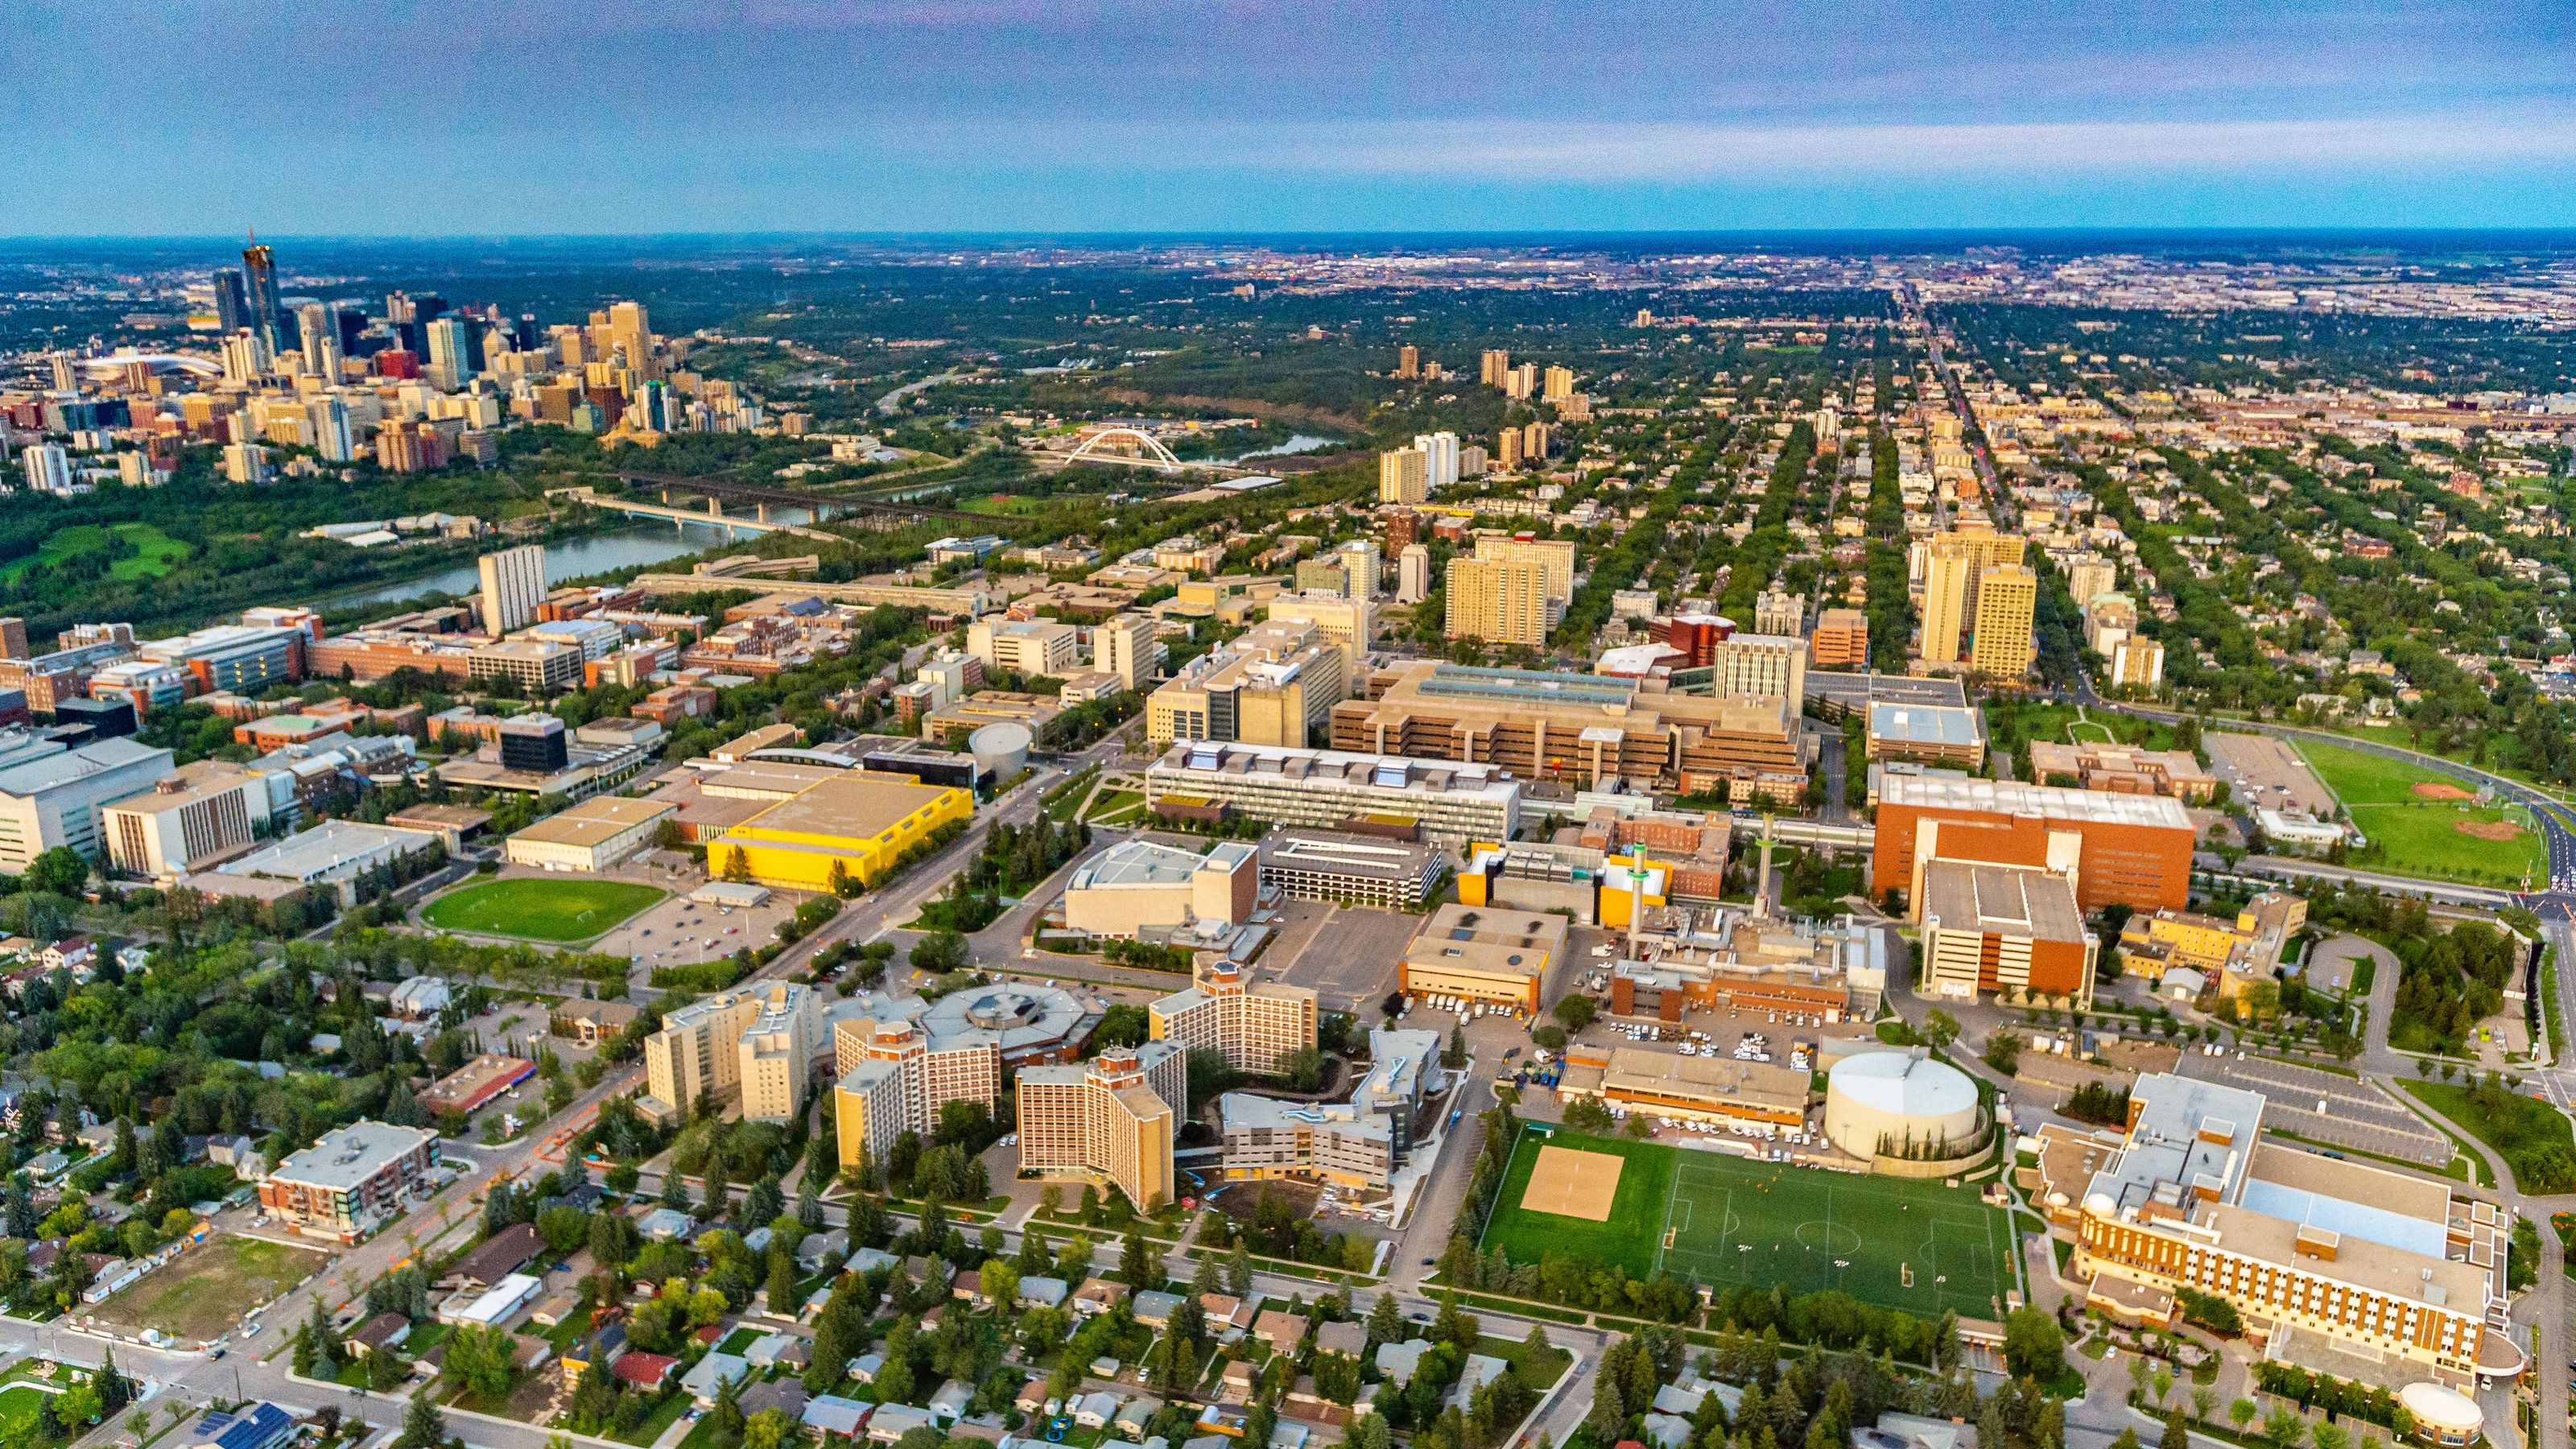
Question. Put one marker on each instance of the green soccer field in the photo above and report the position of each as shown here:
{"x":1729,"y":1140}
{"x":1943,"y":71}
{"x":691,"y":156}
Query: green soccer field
{"x":1714,"y":1218}
{"x":572,"y":908}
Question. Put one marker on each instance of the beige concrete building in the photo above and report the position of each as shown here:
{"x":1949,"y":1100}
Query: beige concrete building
{"x":1348,"y":624}
{"x":1554,"y":556}
{"x":1137,"y":886}
{"x":1125,"y":646}
{"x":1581,"y":728}
{"x":2003,"y":930}
{"x":1403,"y":475}
{"x":1030,"y":647}
{"x":1111,"y":1121}
{"x":894,"y":1078}
{"x":758,"y":1043}
{"x":1276,"y":684}
{"x":1763,"y":664}
{"x":201,"y":812}
{"x":2325,"y":1260}
{"x":1254,"y":1024}
{"x":591,"y":836}
{"x":1948,"y":566}
{"x":1488,"y":954}
{"x":1500,"y":603}
{"x":2006,"y":641}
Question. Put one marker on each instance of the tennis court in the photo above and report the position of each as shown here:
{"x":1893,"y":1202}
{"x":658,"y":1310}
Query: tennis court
{"x":1918,"y":1246}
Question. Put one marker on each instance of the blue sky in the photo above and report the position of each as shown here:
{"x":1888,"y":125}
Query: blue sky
{"x":199,"y":117}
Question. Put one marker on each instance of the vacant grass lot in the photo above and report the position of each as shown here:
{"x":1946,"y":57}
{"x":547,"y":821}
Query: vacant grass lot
{"x":2413,"y":835}
{"x":572,"y":908}
{"x":203,"y":1292}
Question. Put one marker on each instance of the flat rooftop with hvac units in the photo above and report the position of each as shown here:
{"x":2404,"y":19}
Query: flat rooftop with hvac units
{"x":1334,"y":789}
{"x":859,"y":822}
{"x":1137,"y":887}
{"x":2328,"y":1261}
{"x":1484,"y":955}
{"x":1363,"y":870}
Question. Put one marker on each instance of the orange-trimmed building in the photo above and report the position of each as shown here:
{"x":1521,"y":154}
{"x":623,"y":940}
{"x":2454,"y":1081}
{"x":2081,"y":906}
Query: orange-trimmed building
{"x":2134,"y":850}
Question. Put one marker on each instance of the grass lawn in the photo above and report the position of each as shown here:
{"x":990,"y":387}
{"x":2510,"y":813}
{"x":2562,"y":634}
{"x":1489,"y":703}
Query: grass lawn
{"x":572,"y":908}
{"x":156,"y":553}
{"x":1721,"y":1220}
{"x":660,"y":1419}
{"x":2058,"y":724}
{"x":1537,"y":1370}
{"x":2532,"y":1137}
{"x":1113,"y":803}
{"x":203,"y":1292}
{"x":2412,"y":834}
{"x":1007,"y":505}
{"x":1628,"y":1237}
{"x":18,"y":1413}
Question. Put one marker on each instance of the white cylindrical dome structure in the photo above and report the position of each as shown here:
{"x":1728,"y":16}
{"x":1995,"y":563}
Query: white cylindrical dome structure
{"x":1000,"y":749}
{"x":1882,"y":1101}
{"x":2443,"y":1415}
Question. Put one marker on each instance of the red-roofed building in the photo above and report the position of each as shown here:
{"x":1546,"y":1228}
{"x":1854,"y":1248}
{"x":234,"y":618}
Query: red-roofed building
{"x":646,"y":1371}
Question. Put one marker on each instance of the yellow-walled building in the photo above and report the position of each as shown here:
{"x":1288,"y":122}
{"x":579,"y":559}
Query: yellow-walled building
{"x":863,"y":821}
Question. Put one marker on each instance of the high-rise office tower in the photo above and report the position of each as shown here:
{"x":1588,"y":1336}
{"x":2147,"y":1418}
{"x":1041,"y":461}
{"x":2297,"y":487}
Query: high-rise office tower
{"x":629,"y":328}
{"x":1559,"y":385}
{"x":1403,"y":475}
{"x":449,"y":366}
{"x":514,"y":583}
{"x":65,"y":370}
{"x":398,"y":308}
{"x":2007,"y":602}
{"x":1440,"y":458}
{"x":1500,"y":603}
{"x":259,"y":281}
{"x":1413,"y":574}
{"x":318,"y":334}
{"x":232,"y":306}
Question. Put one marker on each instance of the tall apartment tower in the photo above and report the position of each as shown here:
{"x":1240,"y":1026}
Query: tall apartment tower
{"x":2007,"y":603}
{"x":1521,"y":381}
{"x":1408,"y":361}
{"x":1950,"y":565}
{"x":514,"y":583}
{"x":1403,"y":476}
{"x":1253,"y":1024}
{"x":1439,"y":458}
{"x":1495,"y":366}
{"x":1110,"y":1120}
{"x":1125,"y":646}
{"x":1507,"y":448}
{"x":1498,"y":602}
{"x":894,"y":1078}
{"x":1360,"y":566}
{"x":1413,"y":574}
{"x":232,"y":304}
{"x":1559,"y":385}
{"x":1555,"y":556}
{"x":1535,"y":441}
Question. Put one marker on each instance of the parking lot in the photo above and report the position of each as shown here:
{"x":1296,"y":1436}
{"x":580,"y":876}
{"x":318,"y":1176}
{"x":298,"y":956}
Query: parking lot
{"x":677,"y":931}
{"x":2267,"y":773}
{"x":2326,"y":1107}
{"x":1346,"y":955}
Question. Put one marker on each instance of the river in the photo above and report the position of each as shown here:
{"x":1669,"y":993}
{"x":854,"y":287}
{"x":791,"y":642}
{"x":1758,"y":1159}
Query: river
{"x":598,"y":553}
{"x":1297,"y":443}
